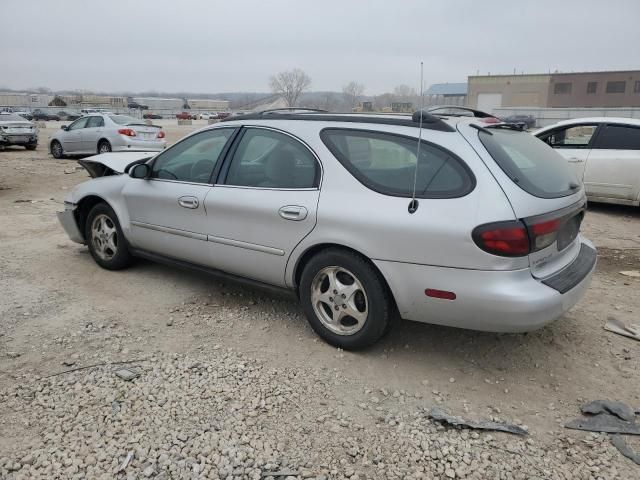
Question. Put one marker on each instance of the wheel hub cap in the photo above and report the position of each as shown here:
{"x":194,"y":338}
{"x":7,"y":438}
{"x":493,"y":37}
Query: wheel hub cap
{"x":104,"y":237}
{"x":339,"y":300}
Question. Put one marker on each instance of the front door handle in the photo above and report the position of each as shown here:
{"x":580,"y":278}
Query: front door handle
{"x":293,"y":212}
{"x":188,"y":202}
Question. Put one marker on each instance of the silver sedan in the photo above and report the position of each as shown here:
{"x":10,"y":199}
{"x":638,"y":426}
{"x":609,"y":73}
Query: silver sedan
{"x":102,"y":133}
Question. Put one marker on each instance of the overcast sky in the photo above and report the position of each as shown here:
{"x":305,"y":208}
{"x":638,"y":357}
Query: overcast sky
{"x":224,"y":46}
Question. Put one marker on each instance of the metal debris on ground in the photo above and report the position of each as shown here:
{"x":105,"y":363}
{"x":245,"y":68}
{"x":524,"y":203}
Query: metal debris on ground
{"x":127,"y":374}
{"x":440,"y":415}
{"x":280,"y":473}
{"x":68,"y":363}
{"x":125,"y":463}
{"x":608,"y":418}
{"x":619,"y":409}
{"x":631,"y":330}
{"x":622,"y":446}
{"x":631,"y":273}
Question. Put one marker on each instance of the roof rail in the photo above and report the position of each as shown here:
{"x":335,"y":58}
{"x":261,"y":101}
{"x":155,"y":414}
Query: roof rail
{"x":292,"y":109}
{"x":429,"y":121}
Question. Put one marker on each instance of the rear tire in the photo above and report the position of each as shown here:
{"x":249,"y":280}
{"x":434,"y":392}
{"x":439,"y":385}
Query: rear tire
{"x":105,"y":239}
{"x":56,"y":149}
{"x":345,"y":299}
{"x":104,"y":146}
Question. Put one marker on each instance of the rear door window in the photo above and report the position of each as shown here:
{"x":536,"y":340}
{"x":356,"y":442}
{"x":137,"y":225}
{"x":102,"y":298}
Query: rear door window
{"x":268,"y":159}
{"x":95,"y":122}
{"x":386,"y":163}
{"x":532,"y":165}
{"x":618,"y":137}
{"x":577,"y":136}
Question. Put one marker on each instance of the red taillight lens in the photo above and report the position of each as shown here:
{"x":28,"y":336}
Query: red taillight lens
{"x":544,"y":233}
{"x":129,"y":132}
{"x":507,"y":239}
{"x":160,"y":134}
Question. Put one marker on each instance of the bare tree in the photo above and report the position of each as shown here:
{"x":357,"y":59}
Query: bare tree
{"x":290,"y":85}
{"x":352,"y":92}
{"x":405,"y":93}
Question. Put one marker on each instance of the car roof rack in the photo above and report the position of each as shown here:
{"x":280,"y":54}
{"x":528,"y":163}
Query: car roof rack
{"x":429,"y":121}
{"x":476,"y":113}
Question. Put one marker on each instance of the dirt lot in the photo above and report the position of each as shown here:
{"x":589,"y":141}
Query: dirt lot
{"x":215,"y":349}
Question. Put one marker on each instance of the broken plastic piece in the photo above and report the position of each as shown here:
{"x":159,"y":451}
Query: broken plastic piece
{"x":440,"y":415}
{"x":619,"y":409}
{"x":127,"y":374}
{"x":625,"y":449}
{"x":630,"y":330}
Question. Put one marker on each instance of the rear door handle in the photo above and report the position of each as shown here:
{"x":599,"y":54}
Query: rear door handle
{"x":293,"y":212}
{"x":188,"y":202}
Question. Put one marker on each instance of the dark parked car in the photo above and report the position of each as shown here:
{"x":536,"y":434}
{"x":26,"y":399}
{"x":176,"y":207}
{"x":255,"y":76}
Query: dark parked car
{"x":151,"y":116}
{"x":41,"y":115}
{"x":68,"y":117}
{"x":528,"y":120}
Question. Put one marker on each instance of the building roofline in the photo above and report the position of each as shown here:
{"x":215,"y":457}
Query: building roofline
{"x":552,"y":73}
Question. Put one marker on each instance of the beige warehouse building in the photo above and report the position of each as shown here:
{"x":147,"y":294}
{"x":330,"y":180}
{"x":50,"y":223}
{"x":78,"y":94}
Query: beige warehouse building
{"x":556,"y":90}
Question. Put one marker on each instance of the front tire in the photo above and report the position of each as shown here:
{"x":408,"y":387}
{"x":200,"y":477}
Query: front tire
{"x":105,"y":239}
{"x":31,"y":147}
{"x":56,"y":149}
{"x":104,"y":146}
{"x":345,"y":299}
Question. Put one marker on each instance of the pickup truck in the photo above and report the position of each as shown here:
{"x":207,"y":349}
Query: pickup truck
{"x":185,"y":116}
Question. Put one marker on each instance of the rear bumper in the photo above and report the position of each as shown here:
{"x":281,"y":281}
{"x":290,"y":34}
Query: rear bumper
{"x":18,"y":140}
{"x":495,"y":301}
{"x":67,"y":219}
{"x":126,"y":144}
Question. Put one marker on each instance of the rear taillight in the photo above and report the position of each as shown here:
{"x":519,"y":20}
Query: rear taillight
{"x":544,"y":233}
{"x":160,"y":134}
{"x":507,"y":239}
{"x":518,"y":238}
{"x":129,"y":132}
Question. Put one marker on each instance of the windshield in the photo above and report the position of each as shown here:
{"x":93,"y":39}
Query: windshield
{"x":124,"y":119}
{"x":530,"y":163}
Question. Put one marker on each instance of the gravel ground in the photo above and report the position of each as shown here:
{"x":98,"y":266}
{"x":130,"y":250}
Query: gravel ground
{"x":234,"y":384}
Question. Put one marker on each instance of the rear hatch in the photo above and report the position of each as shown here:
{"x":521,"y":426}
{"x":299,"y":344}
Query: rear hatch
{"x":544,"y":193}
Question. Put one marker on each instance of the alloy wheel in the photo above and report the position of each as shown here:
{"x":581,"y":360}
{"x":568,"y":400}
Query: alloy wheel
{"x":339,"y":300}
{"x":104,"y":237}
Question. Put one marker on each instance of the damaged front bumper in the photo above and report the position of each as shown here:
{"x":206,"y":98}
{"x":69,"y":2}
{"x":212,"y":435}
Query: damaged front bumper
{"x":68,"y":221}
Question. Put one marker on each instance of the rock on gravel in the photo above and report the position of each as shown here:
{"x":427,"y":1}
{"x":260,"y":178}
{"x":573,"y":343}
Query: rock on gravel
{"x":226,"y":416}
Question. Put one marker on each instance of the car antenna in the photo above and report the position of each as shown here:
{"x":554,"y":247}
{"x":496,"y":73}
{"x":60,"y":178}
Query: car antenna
{"x":413,"y":204}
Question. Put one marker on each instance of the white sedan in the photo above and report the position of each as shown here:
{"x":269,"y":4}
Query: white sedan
{"x":604,"y":153}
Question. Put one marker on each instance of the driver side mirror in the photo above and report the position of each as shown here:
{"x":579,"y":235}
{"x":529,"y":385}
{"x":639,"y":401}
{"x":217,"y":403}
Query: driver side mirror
{"x":141,"y":170}
{"x":65,"y":127}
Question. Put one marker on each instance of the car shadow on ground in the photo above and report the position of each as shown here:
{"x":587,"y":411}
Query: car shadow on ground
{"x":409,"y":342}
{"x":614,"y":210}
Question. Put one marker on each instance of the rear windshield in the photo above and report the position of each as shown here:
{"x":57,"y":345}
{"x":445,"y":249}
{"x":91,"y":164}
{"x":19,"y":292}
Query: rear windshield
{"x":532,"y":164}
{"x":124,"y":120}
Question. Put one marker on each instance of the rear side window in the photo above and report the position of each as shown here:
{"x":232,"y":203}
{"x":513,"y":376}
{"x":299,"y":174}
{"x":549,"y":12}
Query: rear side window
{"x":577,"y":136}
{"x":386,"y":163}
{"x":617,"y":137}
{"x":530,"y":163}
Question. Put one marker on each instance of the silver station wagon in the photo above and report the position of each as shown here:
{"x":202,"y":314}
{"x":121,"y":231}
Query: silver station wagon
{"x":475,"y":225}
